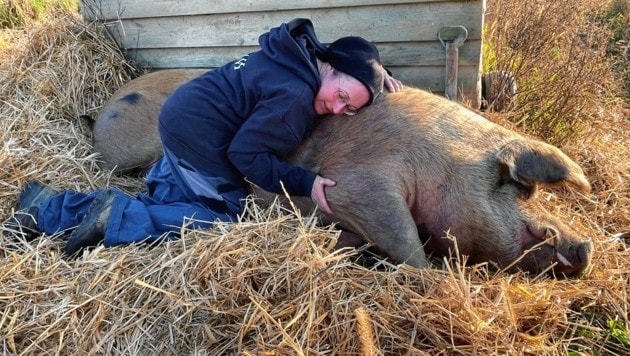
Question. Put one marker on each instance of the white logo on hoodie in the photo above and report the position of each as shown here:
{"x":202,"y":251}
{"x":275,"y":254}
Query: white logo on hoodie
{"x":240,"y":63}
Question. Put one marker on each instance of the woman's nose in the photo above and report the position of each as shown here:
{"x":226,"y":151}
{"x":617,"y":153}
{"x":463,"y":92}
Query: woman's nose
{"x":339,"y":107}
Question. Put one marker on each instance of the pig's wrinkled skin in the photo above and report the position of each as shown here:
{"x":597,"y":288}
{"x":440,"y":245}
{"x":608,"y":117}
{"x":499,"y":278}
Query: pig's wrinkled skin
{"x":412,"y":168}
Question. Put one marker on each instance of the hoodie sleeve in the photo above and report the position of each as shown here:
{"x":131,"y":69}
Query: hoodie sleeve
{"x":266,"y":136}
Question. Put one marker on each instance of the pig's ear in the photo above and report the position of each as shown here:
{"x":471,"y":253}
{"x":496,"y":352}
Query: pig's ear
{"x":530,"y":162}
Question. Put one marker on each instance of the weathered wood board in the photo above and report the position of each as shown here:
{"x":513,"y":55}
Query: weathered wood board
{"x":195,"y":33}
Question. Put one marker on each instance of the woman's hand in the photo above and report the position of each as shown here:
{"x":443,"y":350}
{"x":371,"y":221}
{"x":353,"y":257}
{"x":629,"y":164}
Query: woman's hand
{"x":392,"y":84}
{"x":318,"y":193}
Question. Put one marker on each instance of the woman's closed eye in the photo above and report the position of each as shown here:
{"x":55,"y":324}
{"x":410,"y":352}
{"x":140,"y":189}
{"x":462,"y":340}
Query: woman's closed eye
{"x":348,"y":109}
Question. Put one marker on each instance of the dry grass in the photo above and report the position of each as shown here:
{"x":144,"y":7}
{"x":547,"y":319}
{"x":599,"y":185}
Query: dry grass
{"x":54,"y":74}
{"x":557,"y":51}
{"x":18,"y":13}
{"x":270,"y":283}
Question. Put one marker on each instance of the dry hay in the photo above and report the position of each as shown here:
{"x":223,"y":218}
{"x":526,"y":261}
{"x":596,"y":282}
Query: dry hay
{"x":55,"y":74}
{"x":268,"y":284}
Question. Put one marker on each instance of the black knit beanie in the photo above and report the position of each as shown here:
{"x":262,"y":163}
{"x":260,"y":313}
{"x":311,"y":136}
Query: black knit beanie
{"x":358,"y":58}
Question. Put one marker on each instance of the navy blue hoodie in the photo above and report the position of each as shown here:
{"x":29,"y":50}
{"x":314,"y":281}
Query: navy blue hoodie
{"x":240,"y":120}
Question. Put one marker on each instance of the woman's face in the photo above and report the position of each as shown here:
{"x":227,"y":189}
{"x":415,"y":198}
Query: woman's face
{"x":339,"y":93}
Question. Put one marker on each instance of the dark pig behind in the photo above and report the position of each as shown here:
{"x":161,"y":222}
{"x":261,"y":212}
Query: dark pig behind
{"x":125,"y":132}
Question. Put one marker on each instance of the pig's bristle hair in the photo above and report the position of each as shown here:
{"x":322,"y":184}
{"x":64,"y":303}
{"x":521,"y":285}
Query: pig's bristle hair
{"x":269,"y":283}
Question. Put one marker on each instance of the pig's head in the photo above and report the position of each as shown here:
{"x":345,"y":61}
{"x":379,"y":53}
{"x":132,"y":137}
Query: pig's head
{"x":511,"y":226}
{"x":545,"y":240}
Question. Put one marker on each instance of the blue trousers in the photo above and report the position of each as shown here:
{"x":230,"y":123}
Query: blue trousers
{"x":176,"y":196}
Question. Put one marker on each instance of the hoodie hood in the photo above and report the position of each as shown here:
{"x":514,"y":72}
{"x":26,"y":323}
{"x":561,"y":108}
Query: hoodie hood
{"x":293,"y":45}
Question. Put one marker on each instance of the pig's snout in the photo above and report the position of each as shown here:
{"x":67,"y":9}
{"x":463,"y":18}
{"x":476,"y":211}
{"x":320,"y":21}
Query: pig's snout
{"x":574,"y":259}
{"x":570,"y":255}
{"x":557,"y":248}
{"x":584,"y":252}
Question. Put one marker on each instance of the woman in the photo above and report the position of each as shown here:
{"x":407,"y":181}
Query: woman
{"x":228,"y":125}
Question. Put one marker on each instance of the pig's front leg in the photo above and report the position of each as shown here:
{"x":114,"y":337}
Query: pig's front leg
{"x":380,"y":215}
{"x":394,"y":231}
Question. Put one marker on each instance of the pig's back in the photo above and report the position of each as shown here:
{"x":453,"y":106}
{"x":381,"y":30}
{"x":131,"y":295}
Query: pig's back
{"x":411,"y":125}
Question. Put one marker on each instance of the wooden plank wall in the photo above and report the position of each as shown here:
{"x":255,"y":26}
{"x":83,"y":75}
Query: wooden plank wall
{"x":200,"y":33}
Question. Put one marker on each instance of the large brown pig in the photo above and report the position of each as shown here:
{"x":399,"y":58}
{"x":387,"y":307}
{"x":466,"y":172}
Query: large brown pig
{"x":411,"y":169}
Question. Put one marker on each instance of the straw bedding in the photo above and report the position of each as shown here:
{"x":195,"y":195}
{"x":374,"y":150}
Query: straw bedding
{"x":270,"y":283}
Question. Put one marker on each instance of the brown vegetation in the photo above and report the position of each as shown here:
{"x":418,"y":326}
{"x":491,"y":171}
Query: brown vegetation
{"x":270,"y":284}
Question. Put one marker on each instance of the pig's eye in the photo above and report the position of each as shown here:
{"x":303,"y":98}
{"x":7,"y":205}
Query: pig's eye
{"x":523,"y":190}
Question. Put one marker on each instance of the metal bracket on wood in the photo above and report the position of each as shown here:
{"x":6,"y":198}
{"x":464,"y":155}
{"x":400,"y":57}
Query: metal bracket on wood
{"x":452,"y":37}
